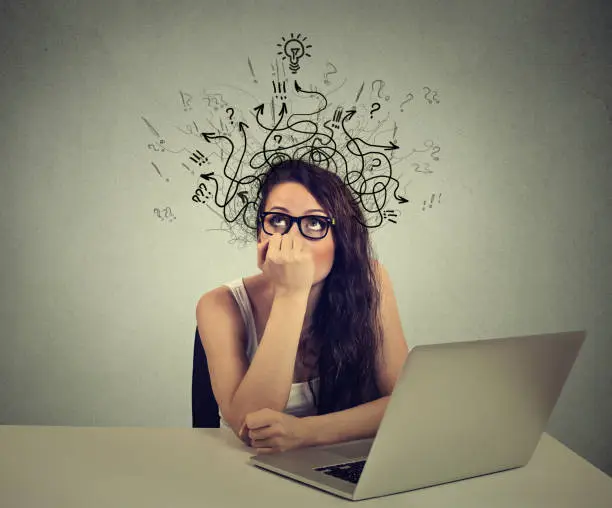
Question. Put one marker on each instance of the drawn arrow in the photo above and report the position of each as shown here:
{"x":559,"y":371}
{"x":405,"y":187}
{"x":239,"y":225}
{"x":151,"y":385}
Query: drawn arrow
{"x":208,"y":135}
{"x":244,"y":196}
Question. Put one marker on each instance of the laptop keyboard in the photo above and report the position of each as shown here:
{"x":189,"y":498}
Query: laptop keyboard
{"x":350,"y":471}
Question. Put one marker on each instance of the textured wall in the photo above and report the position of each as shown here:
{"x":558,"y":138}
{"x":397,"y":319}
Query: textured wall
{"x":98,"y":290}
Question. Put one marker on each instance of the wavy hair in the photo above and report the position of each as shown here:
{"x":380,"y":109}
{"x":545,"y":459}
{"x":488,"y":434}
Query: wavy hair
{"x":345,"y":327}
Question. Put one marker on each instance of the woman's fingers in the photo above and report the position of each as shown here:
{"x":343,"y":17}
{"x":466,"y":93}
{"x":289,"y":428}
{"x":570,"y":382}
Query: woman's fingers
{"x":274,"y":245}
{"x":288,"y":242}
{"x":282,"y":247}
{"x":261,"y":253}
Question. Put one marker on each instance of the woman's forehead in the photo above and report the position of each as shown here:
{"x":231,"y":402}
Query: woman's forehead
{"x":292,"y":196}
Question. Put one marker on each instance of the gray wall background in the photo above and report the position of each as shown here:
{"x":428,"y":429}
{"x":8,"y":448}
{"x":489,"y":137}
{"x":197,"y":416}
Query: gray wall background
{"x":98,"y":293}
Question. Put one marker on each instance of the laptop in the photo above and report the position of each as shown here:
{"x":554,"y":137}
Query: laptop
{"x":458,"y":410}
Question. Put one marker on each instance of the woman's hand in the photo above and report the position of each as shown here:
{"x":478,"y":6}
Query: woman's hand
{"x":271,"y":431}
{"x":287,"y":261}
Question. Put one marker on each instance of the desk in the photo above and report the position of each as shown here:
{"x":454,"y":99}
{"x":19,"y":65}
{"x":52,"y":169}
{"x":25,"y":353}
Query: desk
{"x":64,"y":467}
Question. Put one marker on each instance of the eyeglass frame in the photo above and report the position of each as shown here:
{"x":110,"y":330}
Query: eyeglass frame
{"x":298,"y":220}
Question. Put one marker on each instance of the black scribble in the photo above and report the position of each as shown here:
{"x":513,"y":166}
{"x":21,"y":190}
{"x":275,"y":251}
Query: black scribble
{"x":231,"y":147}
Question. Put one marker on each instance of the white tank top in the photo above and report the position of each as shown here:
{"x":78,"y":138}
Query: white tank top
{"x":300,"y":401}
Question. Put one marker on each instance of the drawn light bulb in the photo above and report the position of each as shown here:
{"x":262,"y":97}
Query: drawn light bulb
{"x":294,"y":49}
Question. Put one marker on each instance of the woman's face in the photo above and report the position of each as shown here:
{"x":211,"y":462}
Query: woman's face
{"x":294,"y":199}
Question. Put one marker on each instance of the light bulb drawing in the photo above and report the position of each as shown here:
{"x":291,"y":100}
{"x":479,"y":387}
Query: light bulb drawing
{"x":294,"y":49}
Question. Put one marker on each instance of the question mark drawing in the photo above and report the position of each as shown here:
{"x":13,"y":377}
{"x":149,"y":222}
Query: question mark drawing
{"x":279,"y":138}
{"x":382,"y":84}
{"x":167,"y":211}
{"x":326,"y":74}
{"x":426,"y":169}
{"x":213,"y":97}
{"x":429,"y":91}
{"x":375,"y":163}
{"x":231,"y":114}
{"x":409,"y":97}
{"x":209,"y":99}
{"x":434,"y":151}
{"x":375,"y":107}
{"x":200,"y":193}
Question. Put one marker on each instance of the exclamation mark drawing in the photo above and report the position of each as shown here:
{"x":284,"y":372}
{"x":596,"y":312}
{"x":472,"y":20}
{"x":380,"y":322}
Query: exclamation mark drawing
{"x":431,"y":201}
{"x":159,"y":172}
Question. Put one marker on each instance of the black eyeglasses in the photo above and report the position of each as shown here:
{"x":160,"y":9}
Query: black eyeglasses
{"x":314,"y":227}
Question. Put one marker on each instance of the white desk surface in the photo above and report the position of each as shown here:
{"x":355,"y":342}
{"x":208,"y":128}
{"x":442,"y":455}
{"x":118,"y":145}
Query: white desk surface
{"x":52,"y":466}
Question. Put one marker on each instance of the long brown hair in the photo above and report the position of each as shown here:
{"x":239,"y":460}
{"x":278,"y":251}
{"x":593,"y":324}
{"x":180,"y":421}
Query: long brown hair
{"x":345,"y":326}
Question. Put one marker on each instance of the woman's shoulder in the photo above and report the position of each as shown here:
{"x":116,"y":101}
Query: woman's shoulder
{"x":222,"y":297}
{"x":218,"y":295}
{"x":220,"y":305}
{"x":216,"y":300}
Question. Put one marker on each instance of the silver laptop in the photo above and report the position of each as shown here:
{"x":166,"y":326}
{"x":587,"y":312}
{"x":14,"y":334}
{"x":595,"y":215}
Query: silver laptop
{"x":458,"y":410}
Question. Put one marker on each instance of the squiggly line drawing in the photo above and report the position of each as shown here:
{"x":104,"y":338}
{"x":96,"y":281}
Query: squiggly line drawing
{"x":303,"y":138}
{"x":297,"y":121}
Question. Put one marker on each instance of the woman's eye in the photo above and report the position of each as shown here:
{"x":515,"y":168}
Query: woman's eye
{"x":275,"y":219}
{"x":315,"y":224}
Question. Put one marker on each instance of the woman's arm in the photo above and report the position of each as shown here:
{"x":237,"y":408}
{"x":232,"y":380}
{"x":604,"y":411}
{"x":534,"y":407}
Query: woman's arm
{"x":241,"y":387}
{"x":357,"y":422}
{"x":267,"y":383}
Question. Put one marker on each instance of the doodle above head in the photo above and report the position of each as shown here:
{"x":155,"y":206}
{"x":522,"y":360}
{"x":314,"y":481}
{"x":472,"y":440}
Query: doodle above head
{"x":294,"y":49}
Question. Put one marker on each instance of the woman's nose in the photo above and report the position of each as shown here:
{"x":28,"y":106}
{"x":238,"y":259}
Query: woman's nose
{"x":294,"y":228}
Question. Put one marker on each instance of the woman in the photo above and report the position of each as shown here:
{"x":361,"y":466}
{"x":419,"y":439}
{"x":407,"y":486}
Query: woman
{"x":307,"y":336}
